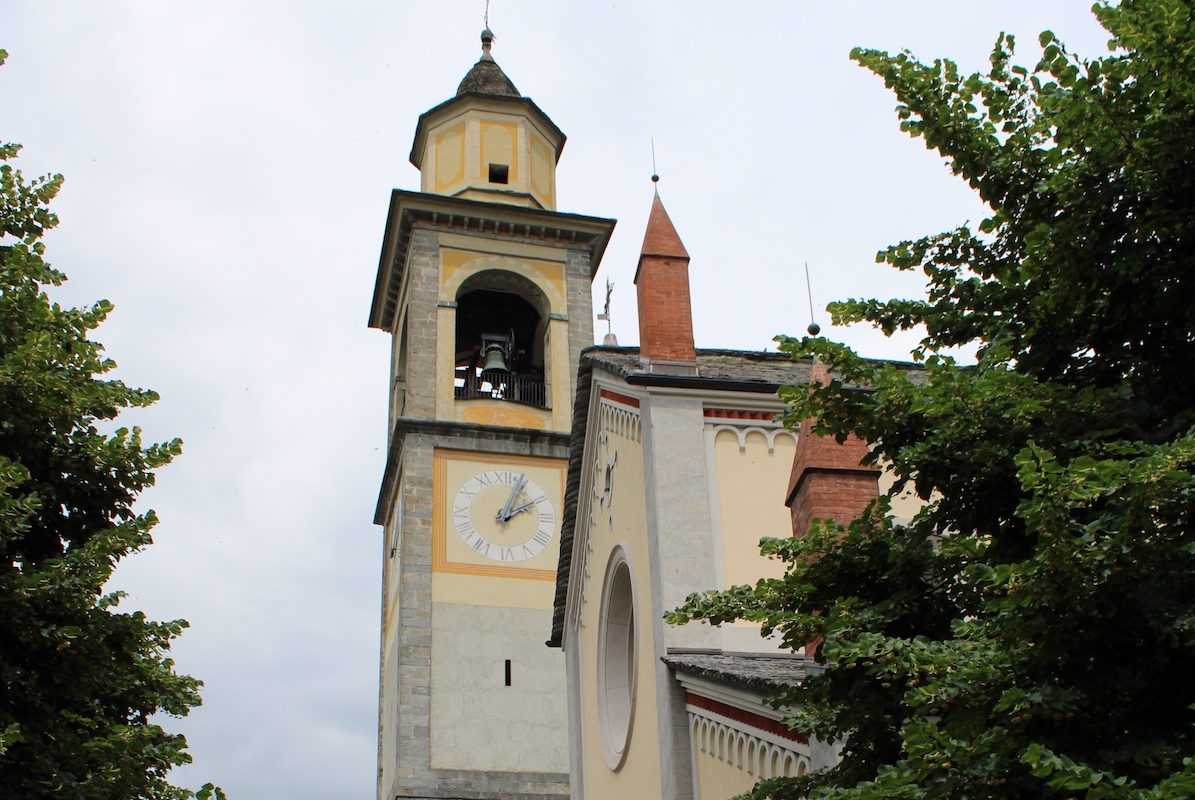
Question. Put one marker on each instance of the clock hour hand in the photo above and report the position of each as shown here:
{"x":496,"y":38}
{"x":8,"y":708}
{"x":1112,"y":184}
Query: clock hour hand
{"x":504,"y":514}
{"x":520,"y":508}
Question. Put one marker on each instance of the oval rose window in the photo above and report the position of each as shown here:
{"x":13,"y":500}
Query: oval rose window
{"x":616,"y":659}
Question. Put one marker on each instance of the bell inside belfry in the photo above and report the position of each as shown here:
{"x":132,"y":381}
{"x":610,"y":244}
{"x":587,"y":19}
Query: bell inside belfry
{"x":507,"y":365}
{"x":495,"y":358}
{"x":496,"y":351}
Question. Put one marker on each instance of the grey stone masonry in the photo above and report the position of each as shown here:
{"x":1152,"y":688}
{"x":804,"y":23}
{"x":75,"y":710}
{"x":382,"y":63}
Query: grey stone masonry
{"x":578,"y":277}
{"x":423,"y":279}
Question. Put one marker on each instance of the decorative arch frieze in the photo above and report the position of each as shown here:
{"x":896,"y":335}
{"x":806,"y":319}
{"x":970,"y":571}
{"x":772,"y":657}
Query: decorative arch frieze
{"x":620,"y":421}
{"x":758,"y":753}
{"x":742,"y":431}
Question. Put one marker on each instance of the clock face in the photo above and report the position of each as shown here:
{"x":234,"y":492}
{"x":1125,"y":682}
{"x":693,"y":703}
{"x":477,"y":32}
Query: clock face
{"x":503,"y":515}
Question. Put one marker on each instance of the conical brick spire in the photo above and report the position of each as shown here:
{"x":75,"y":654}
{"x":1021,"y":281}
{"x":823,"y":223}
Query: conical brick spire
{"x":662,"y":287}
{"x":661,"y":238}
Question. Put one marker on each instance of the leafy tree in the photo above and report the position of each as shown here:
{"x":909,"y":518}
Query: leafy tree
{"x":79,"y":680}
{"x":1031,"y":633}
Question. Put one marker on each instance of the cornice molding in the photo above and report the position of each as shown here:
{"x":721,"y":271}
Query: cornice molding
{"x":466,"y":433}
{"x":500,"y":221}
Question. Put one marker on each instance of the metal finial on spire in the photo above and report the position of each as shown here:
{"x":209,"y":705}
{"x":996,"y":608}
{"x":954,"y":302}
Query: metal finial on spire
{"x":487,"y":40}
{"x":814,"y":329}
{"x":655,"y":176}
{"x":487,"y":36}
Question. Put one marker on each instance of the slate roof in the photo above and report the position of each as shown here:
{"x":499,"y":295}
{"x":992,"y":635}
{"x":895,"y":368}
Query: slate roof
{"x":763,"y":673}
{"x":487,"y":77}
{"x":755,"y":370}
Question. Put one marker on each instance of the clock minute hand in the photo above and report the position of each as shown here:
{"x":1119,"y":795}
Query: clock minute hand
{"x":504,"y":514}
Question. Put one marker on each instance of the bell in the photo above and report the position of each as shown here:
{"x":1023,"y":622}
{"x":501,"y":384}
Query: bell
{"x":495,"y":358}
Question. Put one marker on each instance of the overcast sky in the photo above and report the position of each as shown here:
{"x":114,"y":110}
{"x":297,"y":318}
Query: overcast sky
{"x":228,"y":168}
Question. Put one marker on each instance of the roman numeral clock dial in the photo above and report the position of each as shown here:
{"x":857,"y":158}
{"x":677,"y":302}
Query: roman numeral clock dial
{"x":504,"y":515}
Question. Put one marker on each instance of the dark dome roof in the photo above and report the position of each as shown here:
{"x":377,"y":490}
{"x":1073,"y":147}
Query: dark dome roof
{"x":487,"y":77}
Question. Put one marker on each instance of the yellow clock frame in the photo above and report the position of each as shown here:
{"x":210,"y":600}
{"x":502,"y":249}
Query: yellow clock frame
{"x":442,"y":497}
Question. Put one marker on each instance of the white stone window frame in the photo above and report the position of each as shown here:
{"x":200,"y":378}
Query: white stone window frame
{"x":617,"y":611}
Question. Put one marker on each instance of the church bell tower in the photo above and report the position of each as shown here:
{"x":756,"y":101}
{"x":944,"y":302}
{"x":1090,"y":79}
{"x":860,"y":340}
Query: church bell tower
{"x":484,"y":288}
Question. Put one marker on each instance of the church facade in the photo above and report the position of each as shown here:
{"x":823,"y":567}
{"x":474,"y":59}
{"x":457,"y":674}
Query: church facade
{"x":678,"y":467}
{"x":539,"y":487}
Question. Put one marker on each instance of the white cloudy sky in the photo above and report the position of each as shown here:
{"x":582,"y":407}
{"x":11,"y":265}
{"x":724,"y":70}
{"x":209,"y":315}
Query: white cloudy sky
{"x":228,"y":166}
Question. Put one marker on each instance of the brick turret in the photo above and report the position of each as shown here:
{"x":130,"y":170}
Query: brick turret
{"x":828,"y":481}
{"x":662,"y":287}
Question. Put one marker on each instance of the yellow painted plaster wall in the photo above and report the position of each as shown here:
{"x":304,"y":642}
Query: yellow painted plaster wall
{"x":458,"y":264}
{"x":906,"y":504}
{"x":718,"y":780}
{"x":498,"y":140}
{"x":460,"y":150}
{"x":559,"y":375}
{"x":543,"y":172}
{"x":495,"y":412}
{"x":751,"y":486}
{"x":449,"y":161}
{"x":623,"y":521}
{"x":445,"y":363}
{"x":483,"y":590}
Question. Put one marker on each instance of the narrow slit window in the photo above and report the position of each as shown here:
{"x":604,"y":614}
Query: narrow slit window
{"x":499,"y":173}
{"x":508,"y":672}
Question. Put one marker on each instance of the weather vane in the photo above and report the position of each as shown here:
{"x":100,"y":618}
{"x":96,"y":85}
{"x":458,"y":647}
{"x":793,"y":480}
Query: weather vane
{"x":605,"y":317}
{"x":655,"y":175}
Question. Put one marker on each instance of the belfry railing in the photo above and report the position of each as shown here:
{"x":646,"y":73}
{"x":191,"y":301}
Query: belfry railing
{"x":496,"y":384}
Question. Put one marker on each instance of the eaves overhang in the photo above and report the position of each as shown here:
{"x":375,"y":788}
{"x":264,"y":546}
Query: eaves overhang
{"x":526,"y":439}
{"x":521,"y":223}
{"x":665,"y":381}
{"x":433,"y":116}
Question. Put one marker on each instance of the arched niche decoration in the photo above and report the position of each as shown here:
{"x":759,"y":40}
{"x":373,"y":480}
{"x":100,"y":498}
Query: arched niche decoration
{"x":490,"y":272}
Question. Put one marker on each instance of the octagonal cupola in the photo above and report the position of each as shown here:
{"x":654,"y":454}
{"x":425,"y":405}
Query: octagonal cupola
{"x":489,"y":142}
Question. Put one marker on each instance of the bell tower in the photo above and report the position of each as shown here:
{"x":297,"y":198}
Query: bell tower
{"x":484,"y":289}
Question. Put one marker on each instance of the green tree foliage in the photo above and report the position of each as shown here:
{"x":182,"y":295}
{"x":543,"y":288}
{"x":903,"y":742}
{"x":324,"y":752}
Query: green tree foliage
{"x":1031,"y":633}
{"x":79,"y":680}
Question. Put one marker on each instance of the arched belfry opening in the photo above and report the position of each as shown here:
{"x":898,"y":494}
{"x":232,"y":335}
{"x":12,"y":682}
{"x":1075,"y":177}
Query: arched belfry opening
{"x":501,"y":330}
